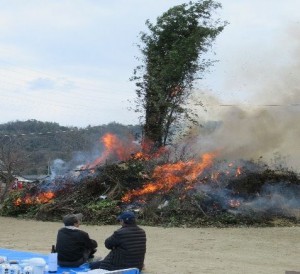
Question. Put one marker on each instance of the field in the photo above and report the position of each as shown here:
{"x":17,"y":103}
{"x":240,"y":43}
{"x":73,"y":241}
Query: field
{"x":180,"y":250}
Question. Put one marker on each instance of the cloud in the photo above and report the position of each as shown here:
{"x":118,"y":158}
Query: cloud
{"x":42,"y":83}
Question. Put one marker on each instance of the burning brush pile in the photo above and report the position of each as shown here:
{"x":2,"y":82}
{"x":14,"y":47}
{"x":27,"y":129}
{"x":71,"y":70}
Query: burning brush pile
{"x":188,"y":191}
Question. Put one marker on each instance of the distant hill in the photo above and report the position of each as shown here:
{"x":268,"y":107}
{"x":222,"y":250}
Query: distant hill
{"x":43,"y":142}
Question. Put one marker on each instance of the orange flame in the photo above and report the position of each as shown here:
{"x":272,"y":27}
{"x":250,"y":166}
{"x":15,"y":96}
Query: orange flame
{"x":41,"y":198}
{"x":168,"y":175}
{"x":238,"y":171}
{"x":114,"y":147}
{"x":122,"y":150}
{"x":18,"y":202}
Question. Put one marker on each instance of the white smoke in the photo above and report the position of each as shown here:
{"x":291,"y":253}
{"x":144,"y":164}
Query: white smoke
{"x":266,"y":122}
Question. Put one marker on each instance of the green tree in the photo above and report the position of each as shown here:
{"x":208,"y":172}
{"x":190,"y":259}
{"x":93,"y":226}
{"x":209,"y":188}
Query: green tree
{"x":171,"y":53}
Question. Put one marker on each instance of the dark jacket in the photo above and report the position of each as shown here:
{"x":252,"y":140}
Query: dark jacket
{"x":73,"y":244}
{"x":128,"y":248}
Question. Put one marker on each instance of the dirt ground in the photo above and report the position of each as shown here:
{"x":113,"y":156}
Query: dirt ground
{"x":180,"y":250}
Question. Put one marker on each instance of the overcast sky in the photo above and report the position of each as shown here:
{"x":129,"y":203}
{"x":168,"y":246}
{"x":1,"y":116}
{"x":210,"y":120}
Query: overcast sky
{"x":70,"y":61}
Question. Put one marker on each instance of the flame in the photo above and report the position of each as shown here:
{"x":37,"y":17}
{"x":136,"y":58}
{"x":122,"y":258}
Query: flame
{"x":114,"y":145}
{"x":45,"y":197}
{"x":18,"y":202}
{"x":114,"y":148}
{"x":168,"y":175}
{"x":41,"y":198}
{"x":140,"y":156}
{"x":122,"y":150}
{"x":149,"y":151}
{"x":238,"y":171}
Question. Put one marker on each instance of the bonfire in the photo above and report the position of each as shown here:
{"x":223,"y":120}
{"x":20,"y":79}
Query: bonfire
{"x":203,"y":190}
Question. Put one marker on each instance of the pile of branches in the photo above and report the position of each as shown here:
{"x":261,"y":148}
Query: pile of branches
{"x":229,"y":201}
{"x":97,"y":195}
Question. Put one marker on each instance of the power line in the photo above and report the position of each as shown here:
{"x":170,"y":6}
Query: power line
{"x":45,"y":133}
{"x":262,"y":105}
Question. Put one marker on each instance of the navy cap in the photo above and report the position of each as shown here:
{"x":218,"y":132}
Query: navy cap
{"x":126,"y":216}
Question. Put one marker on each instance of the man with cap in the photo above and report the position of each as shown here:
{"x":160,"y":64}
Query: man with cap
{"x":74,"y":246}
{"x":127,"y":246}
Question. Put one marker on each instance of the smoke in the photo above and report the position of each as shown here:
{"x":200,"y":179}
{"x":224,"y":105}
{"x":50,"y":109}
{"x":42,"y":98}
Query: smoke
{"x":58,"y":167}
{"x":279,"y":198}
{"x":265,"y":123}
{"x":64,"y":173}
{"x":260,"y":122}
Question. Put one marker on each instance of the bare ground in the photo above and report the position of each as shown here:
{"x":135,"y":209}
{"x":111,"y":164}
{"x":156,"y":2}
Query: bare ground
{"x":180,"y":250}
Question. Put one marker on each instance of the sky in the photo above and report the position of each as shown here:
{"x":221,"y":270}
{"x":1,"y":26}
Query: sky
{"x":70,"y":61}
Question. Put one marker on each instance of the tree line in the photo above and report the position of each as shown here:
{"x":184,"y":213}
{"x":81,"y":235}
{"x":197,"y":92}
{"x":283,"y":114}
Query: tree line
{"x":28,"y":146}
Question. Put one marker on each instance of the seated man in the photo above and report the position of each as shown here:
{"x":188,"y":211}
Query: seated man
{"x":127,"y":245}
{"x":74,"y":246}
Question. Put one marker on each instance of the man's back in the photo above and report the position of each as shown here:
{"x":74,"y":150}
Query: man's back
{"x":74,"y":246}
{"x":70,"y":244}
{"x":128,"y":248}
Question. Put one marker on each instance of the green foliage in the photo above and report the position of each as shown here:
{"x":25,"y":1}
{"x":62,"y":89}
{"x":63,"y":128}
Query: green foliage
{"x":171,"y":52}
{"x":100,"y":205}
{"x":102,"y":212}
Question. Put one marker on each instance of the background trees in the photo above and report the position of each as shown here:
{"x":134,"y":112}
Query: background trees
{"x":11,"y":162}
{"x":171,"y":58}
{"x":42,"y":142}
